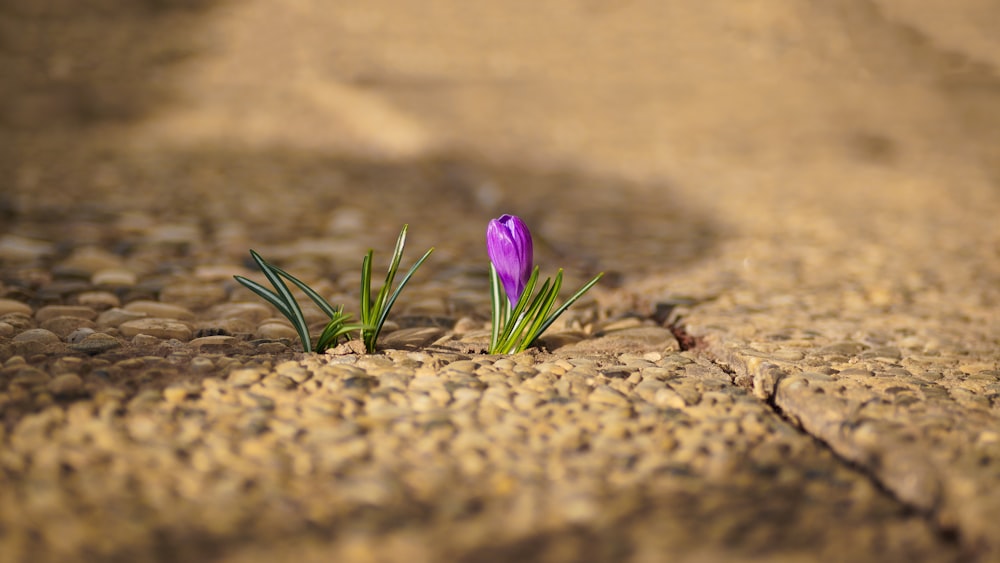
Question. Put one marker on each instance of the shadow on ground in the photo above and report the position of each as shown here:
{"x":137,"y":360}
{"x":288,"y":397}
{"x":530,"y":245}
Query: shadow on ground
{"x":76,"y":75}
{"x":580,"y":222}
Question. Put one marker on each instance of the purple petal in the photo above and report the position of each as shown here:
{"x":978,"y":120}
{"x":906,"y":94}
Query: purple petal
{"x":508,"y":244}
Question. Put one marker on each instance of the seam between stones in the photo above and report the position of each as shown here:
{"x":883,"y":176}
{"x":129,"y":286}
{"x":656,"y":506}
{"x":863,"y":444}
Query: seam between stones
{"x":948,"y":536}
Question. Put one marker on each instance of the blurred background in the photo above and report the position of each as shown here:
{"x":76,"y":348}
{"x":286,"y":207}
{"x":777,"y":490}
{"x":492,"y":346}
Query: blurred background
{"x":634,"y":136}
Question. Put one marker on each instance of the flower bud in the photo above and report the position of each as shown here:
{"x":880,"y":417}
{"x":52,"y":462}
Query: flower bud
{"x":508,"y":244}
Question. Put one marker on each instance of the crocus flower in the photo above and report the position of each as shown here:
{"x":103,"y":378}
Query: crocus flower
{"x":508,"y":244}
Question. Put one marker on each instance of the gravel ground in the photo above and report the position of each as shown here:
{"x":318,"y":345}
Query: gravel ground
{"x":794,"y":354}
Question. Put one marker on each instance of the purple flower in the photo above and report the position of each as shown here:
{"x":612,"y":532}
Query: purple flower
{"x":508,"y":243}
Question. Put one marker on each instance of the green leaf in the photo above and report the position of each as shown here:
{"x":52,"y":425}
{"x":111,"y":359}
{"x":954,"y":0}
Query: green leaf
{"x":516,"y":331}
{"x":523,"y":321}
{"x":366,"y":288}
{"x":497,"y":302}
{"x":310,"y":292}
{"x":336,"y":328}
{"x":399,"y":288}
{"x":374,"y":314}
{"x":569,"y":302}
{"x":268,"y":295}
{"x":522,"y":302}
{"x":397,"y":256}
{"x":539,"y":316}
{"x":291,"y":309}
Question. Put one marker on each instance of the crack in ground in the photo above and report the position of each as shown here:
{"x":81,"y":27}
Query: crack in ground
{"x":947,"y":535}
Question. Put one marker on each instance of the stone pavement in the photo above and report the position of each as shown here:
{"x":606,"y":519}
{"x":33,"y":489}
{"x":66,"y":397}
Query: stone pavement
{"x":794,"y":355}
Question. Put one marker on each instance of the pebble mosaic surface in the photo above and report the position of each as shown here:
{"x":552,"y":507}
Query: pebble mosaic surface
{"x":433,"y":454}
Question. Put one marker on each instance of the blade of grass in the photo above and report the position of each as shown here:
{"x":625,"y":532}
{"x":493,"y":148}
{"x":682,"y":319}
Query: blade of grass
{"x":336,"y":328}
{"x":522,"y":303}
{"x":366,"y":288}
{"x":399,"y":288}
{"x":267,"y":295}
{"x":505,"y":311}
{"x":390,"y":275}
{"x":310,"y":292}
{"x":329,"y":334}
{"x":497,"y":300}
{"x":539,"y":316}
{"x":569,"y":302}
{"x":525,"y":320}
{"x":298,"y":321}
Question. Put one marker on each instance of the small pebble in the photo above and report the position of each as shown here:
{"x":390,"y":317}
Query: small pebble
{"x":36,"y":335}
{"x":607,"y":396}
{"x":201,"y":364}
{"x":114,"y":317}
{"x":19,"y":321}
{"x":193,"y":295}
{"x":55,"y":311}
{"x":65,"y":385}
{"x":145,"y":340}
{"x":271,"y":348}
{"x":15,"y":361}
{"x":253,"y":312}
{"x":30,"y":377}
{"x":245,"y":377}
{"x":114,"y":277}
{"x":669,"y":398}
{"x":164,"y":328}
{"x":278,"y":382}
{"x":468,"y":324}
{"x":67,"y":364}
{"x":215,"y":272}
{"x":174,"y":233}
{"x":231,"y":326}
{"x":207,"y":343}
{"x":14,"y":248}
{"x":178,"y":392}
{"x":160,"y":310}
{"x":787,"y":355}
{"x":293,"y":370}
{"x":11,"y":306}
{"x":275,"y":331}
{"x":60,"y":289}
{"x":410,"y":338}
{"x":64,"y":326}
{"x":78,"y":335}
{"x":95,"y":343}
{"x":90,"y":259}
{"x":98,"y":300}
